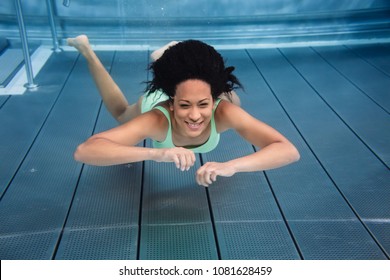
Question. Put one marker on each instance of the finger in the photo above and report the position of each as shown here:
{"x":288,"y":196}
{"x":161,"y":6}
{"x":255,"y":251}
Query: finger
{"x":199,"y":179}
{"x":190,"y":160}
{"x":199,"y":176}
{"x":176,"y":160}
{"x":193,"y":157}
{"x":183,"y":162}
{"x":213,"y":176}
{"x":187,"y":161}
{"x":206,"y":178}
{"x":203,"y":182}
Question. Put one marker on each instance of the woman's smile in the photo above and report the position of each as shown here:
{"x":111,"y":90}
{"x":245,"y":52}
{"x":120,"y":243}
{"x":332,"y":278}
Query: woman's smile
{"x":195,"y":126}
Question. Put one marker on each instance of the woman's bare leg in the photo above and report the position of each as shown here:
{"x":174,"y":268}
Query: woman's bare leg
{"x":111,"y":94}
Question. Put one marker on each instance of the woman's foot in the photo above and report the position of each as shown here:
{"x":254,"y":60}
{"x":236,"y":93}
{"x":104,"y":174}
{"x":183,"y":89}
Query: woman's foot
{"x":81,"y":43}
{"x":158,"y":53}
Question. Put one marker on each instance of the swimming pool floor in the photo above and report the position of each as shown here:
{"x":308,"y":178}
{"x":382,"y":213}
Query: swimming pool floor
{"x":332,"y":102}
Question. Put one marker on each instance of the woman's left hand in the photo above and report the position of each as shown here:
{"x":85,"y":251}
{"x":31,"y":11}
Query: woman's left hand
{"x":207,"y":174}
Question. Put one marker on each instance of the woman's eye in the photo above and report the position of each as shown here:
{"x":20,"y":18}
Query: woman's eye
{"x":202,"y":105}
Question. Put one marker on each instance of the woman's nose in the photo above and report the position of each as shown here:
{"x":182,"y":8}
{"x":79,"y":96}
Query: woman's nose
{"x":194,"y":114}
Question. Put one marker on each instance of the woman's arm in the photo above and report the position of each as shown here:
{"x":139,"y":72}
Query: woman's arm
{"x":117,"y":146}
{"x":275,"y":150}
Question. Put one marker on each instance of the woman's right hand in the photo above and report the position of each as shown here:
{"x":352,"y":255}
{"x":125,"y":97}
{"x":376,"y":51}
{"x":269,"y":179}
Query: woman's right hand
{"x":183,"y":158}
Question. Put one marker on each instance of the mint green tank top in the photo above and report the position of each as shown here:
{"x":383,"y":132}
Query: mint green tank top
{"x":208,"y":146}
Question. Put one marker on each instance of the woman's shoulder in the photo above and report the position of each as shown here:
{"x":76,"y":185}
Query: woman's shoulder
{"x":152,"y":124}
{"x":224,"y":114}
{"x":156,"y":117}
{"x":157,"y":121}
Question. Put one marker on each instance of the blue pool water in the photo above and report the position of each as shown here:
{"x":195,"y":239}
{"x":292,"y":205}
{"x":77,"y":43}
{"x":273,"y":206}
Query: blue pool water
{"x":232,"y":23}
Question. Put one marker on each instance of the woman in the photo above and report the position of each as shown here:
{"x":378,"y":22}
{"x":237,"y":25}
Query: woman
{"x":189,"y":102}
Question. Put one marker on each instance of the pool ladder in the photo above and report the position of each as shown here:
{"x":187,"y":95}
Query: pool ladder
{"x":30,"y":85}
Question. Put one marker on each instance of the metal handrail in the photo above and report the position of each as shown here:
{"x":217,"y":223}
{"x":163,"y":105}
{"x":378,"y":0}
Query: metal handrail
{"x":23,"y":36}
{"x":50,"y":14}
{"x":30,"y":85}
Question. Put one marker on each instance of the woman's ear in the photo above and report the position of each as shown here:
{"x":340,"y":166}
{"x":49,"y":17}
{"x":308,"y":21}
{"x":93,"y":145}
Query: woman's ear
{"x":171,"y":100}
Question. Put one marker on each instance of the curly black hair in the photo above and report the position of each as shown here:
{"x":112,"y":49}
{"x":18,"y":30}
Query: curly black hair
{"x":192,"y":59}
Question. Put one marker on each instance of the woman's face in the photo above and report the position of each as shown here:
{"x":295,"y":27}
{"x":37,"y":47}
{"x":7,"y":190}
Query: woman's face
{"x":192,"y":107}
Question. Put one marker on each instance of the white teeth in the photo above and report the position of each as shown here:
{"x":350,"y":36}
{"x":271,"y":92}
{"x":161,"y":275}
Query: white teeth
{"x":193,"y":125}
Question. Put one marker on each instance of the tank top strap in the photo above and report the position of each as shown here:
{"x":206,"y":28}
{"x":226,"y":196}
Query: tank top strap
{"x":168,"y":142}
{"x":216,"y":103}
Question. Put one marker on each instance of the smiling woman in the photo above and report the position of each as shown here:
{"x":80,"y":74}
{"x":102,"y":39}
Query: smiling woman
{"x":188,"y":103}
